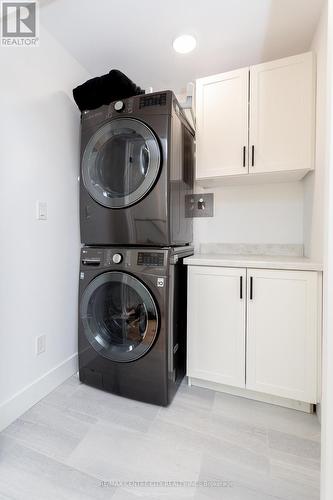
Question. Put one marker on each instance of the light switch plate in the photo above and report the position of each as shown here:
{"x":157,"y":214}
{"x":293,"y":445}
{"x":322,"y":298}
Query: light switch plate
{"x":199,"y":205}
{"x":41,"y":207}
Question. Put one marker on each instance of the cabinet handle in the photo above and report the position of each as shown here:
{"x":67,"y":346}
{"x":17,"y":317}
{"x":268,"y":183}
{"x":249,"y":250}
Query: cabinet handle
{"x":252,"y":161}
{"x":241,"y":287}
{"x":251,"y":288}
{"x":244,"y":156}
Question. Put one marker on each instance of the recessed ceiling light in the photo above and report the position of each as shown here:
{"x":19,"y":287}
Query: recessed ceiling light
{"x":184,"y":44}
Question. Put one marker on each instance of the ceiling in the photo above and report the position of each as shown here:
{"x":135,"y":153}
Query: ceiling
{"x":136,"y":36}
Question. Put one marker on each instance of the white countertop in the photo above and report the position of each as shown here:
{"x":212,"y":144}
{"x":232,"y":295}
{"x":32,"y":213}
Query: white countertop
{"x":254,"y":261}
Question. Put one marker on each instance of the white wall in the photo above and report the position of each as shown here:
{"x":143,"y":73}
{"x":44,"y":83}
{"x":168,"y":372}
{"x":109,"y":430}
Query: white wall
{"x":327,"y":373}
{"x":265,"y":213}
{"x":39,"y":148}
{"x":314,"y":183}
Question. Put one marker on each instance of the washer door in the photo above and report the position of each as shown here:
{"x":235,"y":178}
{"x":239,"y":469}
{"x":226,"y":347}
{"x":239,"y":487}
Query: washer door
{"x":121,"y":163}
{"x":119,"y":316}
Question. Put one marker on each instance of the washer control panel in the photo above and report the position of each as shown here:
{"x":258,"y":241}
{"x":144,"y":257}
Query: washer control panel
{"x":124,"y":258}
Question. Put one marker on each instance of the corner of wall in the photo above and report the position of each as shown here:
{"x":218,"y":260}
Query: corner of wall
{"x":314,"y":182}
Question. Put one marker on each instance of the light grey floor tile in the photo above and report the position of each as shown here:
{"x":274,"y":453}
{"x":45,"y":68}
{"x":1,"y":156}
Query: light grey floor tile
{"x":70,"y":385}
{"x":109,"y":407}
{"x":60,"y":397}
{"x":294,"y":461}
{"x":239,"y":444}
{"x":262,"y":483}
{"x":295,"y":473}
{"x":50,"y":430}
{"x":63,"y":393}
{"x":235,"y":452}
{"x":269,"y":416}
{"x":238,"y":455}
{"x":114,"y":454}
{"x":197,"y":419}
{"x":235,"y":492}
{"x":104,"y":400}
{"x":294,"y":445}
{"x":122,"y":494}
{"x":246,"y":435}
{"x":153,"y":493}
{"x":79,"y":436}
{"x":178,"y":435}
{"x":27,"y":475}
{"x":195,"y":397}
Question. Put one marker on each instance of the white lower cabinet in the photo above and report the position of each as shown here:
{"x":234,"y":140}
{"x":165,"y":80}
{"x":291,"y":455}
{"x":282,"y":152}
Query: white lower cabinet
{"x":263,"y":336}
{"x":216,"y":324}
{"x":282,"y":333}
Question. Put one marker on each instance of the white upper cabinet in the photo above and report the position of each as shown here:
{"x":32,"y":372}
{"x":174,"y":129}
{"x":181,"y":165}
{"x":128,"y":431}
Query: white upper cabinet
{"x":282,"y":115}
{"x":257,"y":120}
{"x":222,"y":124}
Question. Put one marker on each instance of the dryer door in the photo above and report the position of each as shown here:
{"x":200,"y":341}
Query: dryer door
{"x":119,"y":316}
{"x":121,"y":163}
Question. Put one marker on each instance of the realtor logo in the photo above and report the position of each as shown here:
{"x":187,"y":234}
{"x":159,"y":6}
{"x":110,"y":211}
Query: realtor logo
{"x":19,"y":24}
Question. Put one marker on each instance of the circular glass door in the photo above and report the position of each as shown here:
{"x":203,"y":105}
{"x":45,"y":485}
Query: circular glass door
{"x":119,"y":316}
{"x":121,"y":163}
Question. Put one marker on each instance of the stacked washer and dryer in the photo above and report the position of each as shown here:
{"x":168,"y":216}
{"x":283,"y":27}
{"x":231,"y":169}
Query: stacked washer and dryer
{"x":137,"y":173}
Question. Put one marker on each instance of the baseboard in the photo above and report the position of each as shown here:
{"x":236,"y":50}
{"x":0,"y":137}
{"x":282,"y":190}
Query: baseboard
{"x":18,"y":404}
{"x":257,"y":396}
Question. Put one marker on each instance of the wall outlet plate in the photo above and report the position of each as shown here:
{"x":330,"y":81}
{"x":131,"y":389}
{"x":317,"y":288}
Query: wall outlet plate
{"x":40,"y":344}
{"x":199,"y":205}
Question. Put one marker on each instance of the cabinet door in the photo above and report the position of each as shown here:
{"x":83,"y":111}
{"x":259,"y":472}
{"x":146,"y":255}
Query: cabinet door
{"x":222,"y":124}
{"x":216,"y":325}
{"x":282,"y":115}
{"x":282,"y":333}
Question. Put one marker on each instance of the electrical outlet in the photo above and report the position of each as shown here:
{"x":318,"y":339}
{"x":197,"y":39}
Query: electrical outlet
{"x":40,"y":344}
{"x":199,"y":205}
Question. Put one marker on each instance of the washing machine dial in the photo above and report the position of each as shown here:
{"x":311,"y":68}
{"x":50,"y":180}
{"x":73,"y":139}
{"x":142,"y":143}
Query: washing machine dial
{"x":117,"y":258}
{"x":119,"y":106}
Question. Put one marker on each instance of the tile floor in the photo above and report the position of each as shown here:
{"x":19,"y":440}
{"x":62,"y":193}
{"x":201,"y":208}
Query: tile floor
{"x":80,"y":443}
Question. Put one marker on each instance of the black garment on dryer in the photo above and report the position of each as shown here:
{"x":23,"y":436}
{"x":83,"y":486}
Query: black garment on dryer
{"x":104,"y":89}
